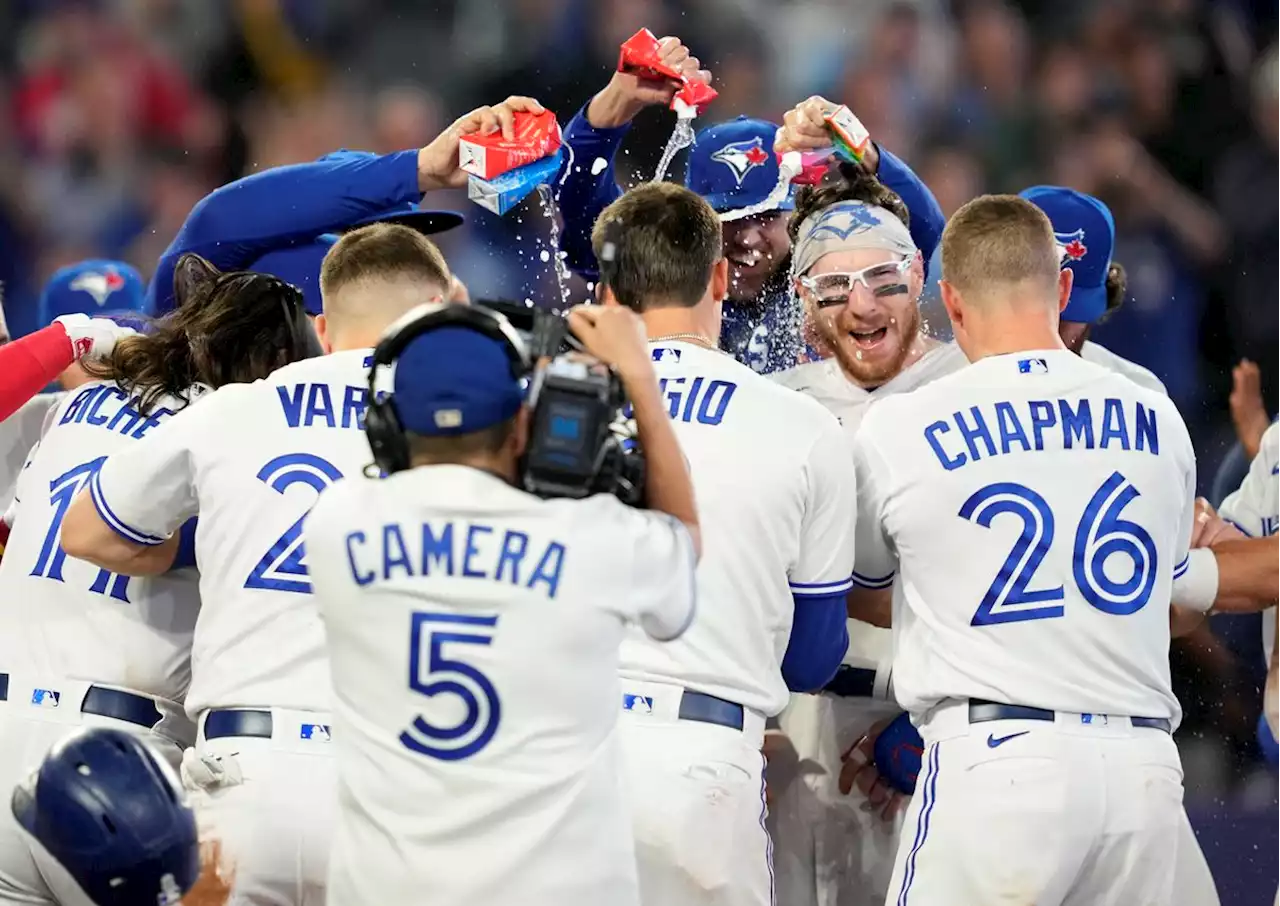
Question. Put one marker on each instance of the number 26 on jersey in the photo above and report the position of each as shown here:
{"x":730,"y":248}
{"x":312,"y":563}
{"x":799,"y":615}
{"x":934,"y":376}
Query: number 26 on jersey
{"x":1102,"y":536}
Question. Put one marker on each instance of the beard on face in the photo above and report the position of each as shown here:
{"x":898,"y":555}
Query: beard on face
{"x":868,"y":367}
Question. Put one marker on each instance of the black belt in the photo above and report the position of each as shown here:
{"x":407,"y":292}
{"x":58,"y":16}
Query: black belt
{"x":852,"y":682}
{"x":708,"y":709}
{"x":103,"y":702}
{"x":981,"y":711}
{"x":221,"y":723}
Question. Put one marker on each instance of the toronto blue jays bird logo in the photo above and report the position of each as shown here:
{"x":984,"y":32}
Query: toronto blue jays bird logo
{"x":1072,"y":245}
{"x":742,"y":157}
{"x":99,"y":284}
{"x":843,"y":220}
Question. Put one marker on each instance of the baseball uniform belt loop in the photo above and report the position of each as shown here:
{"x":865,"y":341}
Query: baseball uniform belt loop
{"x":981,"y":711}
{"x":852,"y":682}
{"x":708,"y":709}
{"x":222,"y":723}
{"x":114,"y":703}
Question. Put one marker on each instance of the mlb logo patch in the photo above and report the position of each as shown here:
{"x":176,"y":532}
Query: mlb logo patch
{"x":640,"y":704}
{"x":45,"y":698}
{"x":663,"y":354}
{"x":1033,"y":366}
{"x":315,"y":732}
{"x":1096,"y":720}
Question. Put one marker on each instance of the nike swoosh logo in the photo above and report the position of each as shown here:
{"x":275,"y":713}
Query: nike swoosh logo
{"x":992,"y":742}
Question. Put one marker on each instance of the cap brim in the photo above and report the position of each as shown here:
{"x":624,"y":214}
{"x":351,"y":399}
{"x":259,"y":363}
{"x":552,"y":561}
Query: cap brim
{"x":425,"y":222}
{"x":1087,"y":304}
{"x":723,"y":202}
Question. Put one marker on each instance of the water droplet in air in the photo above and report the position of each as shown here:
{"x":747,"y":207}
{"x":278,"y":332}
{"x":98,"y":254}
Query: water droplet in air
{"x":544,"y":255}
{"x":598,"y":166}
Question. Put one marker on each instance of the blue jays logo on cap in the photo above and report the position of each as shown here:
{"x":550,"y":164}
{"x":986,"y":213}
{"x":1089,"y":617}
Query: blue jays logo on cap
{"x":742,"y":157}
{"x":98,"y":284}
{"x":859,"y":216}
{"x":1073,"y":247}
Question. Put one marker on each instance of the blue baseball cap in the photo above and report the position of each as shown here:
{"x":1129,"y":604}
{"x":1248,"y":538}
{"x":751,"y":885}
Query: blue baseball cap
{"x":299,"y":265}
{"x":97,"y":287}
{"x":1086,"y":234}
{"x":732,"y":165}
{"x":454,"y":380}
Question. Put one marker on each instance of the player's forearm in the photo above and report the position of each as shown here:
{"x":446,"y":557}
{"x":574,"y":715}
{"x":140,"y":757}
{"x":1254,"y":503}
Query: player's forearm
{"x":668,"y":484}
{"x":30,"y":364}
{"x":871,"y":605}
{"x":582,"y":191}
{"x":1248,"y":578}
{"x":86,"y":536}
{"x":926,"y":218}
{"x":235,"y":224}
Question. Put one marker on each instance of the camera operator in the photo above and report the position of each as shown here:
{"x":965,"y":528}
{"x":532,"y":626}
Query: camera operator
{"x":495,"y":768}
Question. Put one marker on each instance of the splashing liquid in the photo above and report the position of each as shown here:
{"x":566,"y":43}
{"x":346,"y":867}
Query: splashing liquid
{"x":547,"y":201}
{"x":788,"y":168}
{"x":681,"y":138}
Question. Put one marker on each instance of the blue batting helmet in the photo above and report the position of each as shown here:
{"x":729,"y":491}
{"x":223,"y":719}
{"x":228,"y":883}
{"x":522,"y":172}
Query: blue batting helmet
{"x":106,"y":808}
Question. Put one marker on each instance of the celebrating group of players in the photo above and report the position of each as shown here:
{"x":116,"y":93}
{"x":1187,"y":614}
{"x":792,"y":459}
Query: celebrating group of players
{"x":386,"y":674}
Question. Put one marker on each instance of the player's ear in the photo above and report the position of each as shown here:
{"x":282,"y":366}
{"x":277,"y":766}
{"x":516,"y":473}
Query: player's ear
{"x":1066,"y":279}
{"x":952,"y":302}
{"x":720,"y":280}
{"x":915,"y":276}
{"x":520,"y":432}
{"x":321,"y":324}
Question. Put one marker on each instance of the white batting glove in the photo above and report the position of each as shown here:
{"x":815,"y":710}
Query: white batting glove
{"x":209,"y":772}
{"x":92,"y":336}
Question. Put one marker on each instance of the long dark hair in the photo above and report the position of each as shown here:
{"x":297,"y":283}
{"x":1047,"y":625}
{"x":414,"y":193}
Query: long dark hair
{"x":228,"y":328}
{"x":846,"y":182}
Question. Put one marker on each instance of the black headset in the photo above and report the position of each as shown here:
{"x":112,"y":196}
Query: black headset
{"x":382,"y":424}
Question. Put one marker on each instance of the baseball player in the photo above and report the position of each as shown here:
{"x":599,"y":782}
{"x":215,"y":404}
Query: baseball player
{"x":79,"y":297}
{"x":772,"y":579}
{"x":731,"y":166}
{"x":495,"y":769}
{"x":1036,"y":665}
{"x":251,"y":460}
{"x":113,"y":822}
{"x":81,"y":645}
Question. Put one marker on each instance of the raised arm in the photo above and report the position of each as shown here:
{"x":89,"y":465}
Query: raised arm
{"x":586,"y":187}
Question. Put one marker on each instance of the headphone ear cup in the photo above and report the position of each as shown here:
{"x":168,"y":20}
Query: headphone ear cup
{"x":386,"y":438}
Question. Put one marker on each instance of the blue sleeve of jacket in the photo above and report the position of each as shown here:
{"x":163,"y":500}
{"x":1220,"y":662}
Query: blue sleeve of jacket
{"x":235,"y":224}
{"x":819,"y":639}
{"x":582,"y":193}
{"x":926,"y":216}
{"x":186,"y":554}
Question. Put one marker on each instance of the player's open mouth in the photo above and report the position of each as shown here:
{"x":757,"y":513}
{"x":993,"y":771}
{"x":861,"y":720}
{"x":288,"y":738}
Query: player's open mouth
{"x":746,"y":260}
{"x":868,"y":339}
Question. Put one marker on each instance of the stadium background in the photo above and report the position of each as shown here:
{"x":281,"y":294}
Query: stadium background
{"x":118,"y":115}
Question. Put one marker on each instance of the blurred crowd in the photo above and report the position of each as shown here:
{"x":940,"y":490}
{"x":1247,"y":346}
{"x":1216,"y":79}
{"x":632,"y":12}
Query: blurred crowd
{"x":121,"y":114}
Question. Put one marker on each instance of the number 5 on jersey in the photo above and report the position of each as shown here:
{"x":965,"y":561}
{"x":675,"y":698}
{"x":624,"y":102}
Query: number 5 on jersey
{"x":1100,"y":535}
{"x":439,"y":673}
{"x":283,"y":567}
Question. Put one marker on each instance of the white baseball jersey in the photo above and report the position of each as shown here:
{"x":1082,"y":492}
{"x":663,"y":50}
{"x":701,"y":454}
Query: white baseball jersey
{"x":1101,"y":355}
{"x":18,"y":434}
{"x":473,"y":631}
{"x":1254,"y":508}
{"x":772,"y":475}
{"x":62,"y":617}
{"x":251,"y":460}
{"x":1037,"y":505}
{"x":870,"y":646}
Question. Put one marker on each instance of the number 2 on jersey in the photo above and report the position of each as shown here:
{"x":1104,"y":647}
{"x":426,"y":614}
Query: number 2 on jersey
{"x":455,"y":677}
{"x":63,"y":490}
{"x":284,"y":567}
{"x":1100,"y":535}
